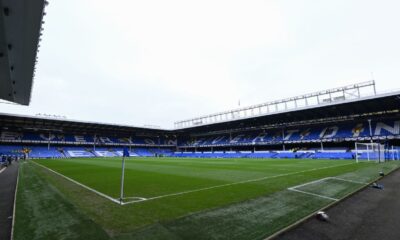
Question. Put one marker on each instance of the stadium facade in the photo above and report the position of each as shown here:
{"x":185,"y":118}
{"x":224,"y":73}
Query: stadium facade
{"x":299,"y":127}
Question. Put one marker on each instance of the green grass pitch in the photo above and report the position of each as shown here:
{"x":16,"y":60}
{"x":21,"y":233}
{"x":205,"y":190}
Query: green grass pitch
{"x":178,"y":198}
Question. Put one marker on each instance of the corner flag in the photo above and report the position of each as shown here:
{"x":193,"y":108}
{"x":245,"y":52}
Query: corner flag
{"x":125,"y":154}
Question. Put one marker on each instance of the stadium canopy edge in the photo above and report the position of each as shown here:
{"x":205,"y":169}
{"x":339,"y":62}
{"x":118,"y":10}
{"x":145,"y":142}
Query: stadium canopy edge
{"x":20,"y":30}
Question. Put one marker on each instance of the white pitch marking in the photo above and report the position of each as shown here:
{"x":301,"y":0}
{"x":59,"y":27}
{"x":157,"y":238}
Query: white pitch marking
{"x":327,"y":178}
{"x":3,"y":169}
{"x":139,"y":198}
{"x":235,"y":183}
{"x":134,"y":201}
{"x":346,"y":180}
{"x":80,"y":184}
{"x":294,"y":188}
{"x":308,"y":183}
{"x":14,"y":207}
{"x":313,"y":194}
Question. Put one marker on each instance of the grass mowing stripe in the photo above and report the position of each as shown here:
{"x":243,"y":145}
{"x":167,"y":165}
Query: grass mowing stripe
{"x":231,"y":184}
{"x":254,"y":219}
{"x":80,"y":184}
{"x":44,"y":212}
{"x":246,"y":211}
{"x":141,"y":199}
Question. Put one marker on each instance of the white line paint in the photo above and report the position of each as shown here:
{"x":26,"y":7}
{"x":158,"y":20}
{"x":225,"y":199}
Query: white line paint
{"x":2,"y":170}
{"x":80,"y":184}
{"x":308,"y":183}
{"x":346,"y":180}
{"x":138,"y":198}
{"x":327,"y":178}
{"x":235,"y":183}
{"x":313,"y":194}
{"x":14,"y":207}
{"x":135,"y":201}
{"x":294,"y":188}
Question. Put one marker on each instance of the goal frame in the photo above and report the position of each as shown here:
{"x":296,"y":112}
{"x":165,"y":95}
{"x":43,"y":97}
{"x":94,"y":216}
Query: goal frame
{"x":371,"y":149}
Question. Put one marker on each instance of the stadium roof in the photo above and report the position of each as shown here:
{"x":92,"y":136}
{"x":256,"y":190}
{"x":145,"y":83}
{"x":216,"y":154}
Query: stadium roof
{"x":340,"y":94}
{"x":384,"y":102}
{"x":20,"y":30}
{"x":73,"y":126}
{"x":380,"y":103}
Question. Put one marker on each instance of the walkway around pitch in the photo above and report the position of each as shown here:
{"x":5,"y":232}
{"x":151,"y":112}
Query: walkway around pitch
{"x":369,"y":214}
{"x":8,"y":182}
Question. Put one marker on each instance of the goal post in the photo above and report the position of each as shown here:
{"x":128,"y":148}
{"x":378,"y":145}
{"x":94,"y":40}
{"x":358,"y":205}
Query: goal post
{"x":369,"y":152}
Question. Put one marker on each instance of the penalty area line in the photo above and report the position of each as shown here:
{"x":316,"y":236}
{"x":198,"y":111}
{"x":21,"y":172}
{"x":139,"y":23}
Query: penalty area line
{"x":346,"y":180}
{"x":313,"y":194}
{"x":308,"y":183}
{"x":294,"y":188}
{"x":80,"y":184}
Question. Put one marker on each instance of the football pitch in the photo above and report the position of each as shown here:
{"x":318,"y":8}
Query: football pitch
{"x":178,"y":198}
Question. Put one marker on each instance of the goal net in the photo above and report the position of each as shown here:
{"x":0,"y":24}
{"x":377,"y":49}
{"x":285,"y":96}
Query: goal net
{"x":369,"y":152}
{"x":393,"y":153}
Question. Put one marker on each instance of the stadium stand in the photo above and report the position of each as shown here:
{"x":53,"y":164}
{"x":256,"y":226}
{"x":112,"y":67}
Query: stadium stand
{"x":11,"y":150}
{"x":44,"y":152}
{"x":328,"y":130}
{"x":387,"y":130}
{"x":333,"y":155}
{"x":28,"y":137}
{"x":78,"y":152}
{"x":358,"y":131}
{"x":381,"y":130}
{"x":104,"y":152}
{"x":144,"y":152}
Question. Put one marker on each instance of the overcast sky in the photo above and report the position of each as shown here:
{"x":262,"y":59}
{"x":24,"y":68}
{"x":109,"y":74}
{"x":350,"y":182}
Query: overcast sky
{"x":156,"y":62}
